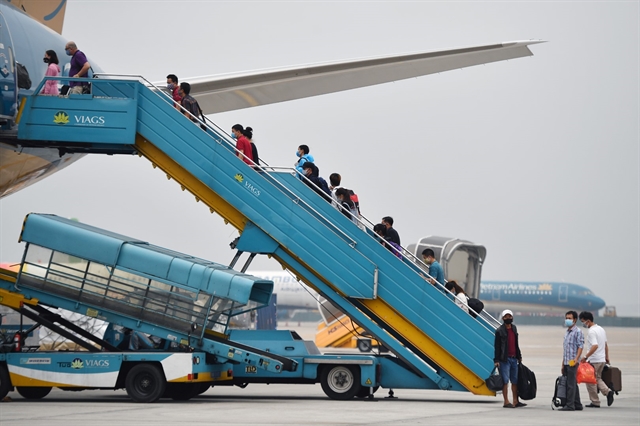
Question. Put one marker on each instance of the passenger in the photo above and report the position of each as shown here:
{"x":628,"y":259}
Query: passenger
{"x":394,"y":248}
{"x":334,"y":184}
{"x":243,"y":146}
{"x":435,"y":270}
{"x":172,"y":84}
{"x":248,"y":133}
{"x":506,"y":357}
{"x":461,"y":297}
{"x":79,"y":67}
{"x":189,"y":103}
{"x":598,"y":356}
{"x":320,"y":186}
{"x":392,"y":234}
{"x":53,"y":70}
{"x":304,"y":156}
{"x":573,"y":344}
{"x":348,"y":206}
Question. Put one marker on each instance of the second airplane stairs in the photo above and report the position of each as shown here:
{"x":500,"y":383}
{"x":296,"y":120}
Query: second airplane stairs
{"x":276,"y":214}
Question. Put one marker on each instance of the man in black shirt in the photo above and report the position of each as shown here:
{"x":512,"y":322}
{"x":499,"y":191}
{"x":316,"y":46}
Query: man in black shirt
{"x":392,"y":234}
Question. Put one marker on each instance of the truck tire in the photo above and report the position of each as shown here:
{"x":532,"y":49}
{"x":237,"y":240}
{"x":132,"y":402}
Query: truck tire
{"x":5,"y":381}
{"x":33,"y":392}
{"x":145,"y":383}
{"x":340,"y":382}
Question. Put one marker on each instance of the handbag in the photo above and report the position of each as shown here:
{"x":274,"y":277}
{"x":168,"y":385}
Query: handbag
{"x":586,"y":374}
{"x":494,"y":381}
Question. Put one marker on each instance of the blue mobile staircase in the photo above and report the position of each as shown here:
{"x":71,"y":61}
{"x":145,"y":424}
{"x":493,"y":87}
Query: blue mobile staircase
{"x":276,"y":214}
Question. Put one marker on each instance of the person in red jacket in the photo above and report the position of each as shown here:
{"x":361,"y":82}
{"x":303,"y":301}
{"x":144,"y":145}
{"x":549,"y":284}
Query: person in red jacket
{"x":243,"y":146}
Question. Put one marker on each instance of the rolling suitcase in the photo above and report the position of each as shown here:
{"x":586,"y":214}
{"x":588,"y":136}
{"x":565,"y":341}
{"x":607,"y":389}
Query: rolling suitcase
{"x":560,"y":394}
{"x":612,"y":377}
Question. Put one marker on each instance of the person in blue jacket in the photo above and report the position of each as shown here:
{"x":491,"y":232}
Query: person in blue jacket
{"x":303,"y":157}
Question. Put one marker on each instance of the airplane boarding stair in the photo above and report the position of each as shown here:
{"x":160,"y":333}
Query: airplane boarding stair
{"x":277,"y":214}
{"x":131,"y":283}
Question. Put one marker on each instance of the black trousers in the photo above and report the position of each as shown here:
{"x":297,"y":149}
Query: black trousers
{"x":573,"y":393}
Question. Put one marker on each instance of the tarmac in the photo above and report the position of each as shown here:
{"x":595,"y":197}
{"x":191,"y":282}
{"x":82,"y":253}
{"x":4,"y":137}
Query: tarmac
{"x":307,"y":404}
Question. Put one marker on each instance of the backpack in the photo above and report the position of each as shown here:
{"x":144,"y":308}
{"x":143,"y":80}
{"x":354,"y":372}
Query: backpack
{"x":254,"y":154}
{"x":560,"y":394}
{"x":476,"y":305}
{"x":24,"y":82}
{"x":354,"y":198}
{"x":527,"y":385}
{"x":324,"y":186}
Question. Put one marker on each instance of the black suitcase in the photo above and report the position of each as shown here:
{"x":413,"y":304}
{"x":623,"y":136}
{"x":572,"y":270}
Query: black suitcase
{"x":612,"y":377}
{"x":560,"y":394}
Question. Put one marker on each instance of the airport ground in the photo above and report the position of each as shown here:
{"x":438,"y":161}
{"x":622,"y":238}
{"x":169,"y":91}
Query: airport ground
{"x":307,"y":404}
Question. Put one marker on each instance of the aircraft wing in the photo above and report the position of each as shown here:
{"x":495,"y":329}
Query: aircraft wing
{"x":230,"y":92}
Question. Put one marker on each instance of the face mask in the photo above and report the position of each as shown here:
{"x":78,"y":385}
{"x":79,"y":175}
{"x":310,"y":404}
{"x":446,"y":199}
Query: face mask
{"x":508,"y":321}
{"x":584,"y":324}
{"x":45,"y":60}
{"x":568,"y":322}
{"x":170,"y":86}
{"x":297,"y":153}
{"x":233,"y":135}
{"x":68,"y":52}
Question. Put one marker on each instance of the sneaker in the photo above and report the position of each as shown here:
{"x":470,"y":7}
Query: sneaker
{"x":610,"y":398}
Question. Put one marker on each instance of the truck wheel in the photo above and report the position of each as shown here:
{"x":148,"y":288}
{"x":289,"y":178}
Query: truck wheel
{"x":364,"y":345}
{"x":32,"y":392}
{"x":5,"y":382}
{"x":145,"y":383}
{"x":341,"y":382}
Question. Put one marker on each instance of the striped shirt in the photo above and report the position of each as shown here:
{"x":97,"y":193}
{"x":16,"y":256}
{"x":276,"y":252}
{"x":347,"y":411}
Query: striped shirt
{"x":573,"y":339}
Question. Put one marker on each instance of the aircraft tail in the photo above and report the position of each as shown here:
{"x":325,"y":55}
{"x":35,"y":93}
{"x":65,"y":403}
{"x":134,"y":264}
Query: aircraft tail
{"x":49,"y":13}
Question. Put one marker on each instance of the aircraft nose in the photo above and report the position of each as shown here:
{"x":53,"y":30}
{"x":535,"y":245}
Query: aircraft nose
{"x":596,"y":303}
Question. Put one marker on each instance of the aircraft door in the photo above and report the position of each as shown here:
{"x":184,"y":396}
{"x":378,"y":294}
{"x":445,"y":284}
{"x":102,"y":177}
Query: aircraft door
{"x":563,"y":293}
{"x":8,"y":75}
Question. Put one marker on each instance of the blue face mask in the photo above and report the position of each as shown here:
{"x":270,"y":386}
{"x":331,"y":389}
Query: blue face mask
{"x":568,"y":322}
{"x":233,"y":135}
{"x":297,"y":153}
{"x":68,"y":52}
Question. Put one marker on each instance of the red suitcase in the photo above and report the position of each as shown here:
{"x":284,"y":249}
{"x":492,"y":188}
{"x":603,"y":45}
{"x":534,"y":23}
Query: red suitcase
{"x":612,"y":377}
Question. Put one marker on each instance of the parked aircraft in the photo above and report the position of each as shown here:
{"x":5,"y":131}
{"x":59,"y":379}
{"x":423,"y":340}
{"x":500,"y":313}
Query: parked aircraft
{"x":30,"y":27}
{"x":519,"y":296}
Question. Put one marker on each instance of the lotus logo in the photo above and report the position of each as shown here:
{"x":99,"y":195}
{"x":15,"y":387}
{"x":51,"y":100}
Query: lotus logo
{"x":77,"y":364}
{"x":61,"y":117}
{"x":545,"y":287}
{"x":239,"y":177}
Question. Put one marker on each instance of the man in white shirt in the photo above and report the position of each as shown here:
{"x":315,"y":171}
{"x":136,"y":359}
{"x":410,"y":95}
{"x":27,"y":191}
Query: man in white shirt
{"x":598,"y":356}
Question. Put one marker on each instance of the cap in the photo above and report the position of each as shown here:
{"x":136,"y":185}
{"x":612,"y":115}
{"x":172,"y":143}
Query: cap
{"x":505,"y":312}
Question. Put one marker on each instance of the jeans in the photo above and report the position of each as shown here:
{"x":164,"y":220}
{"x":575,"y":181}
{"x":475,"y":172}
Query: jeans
{"x":509,"y":371}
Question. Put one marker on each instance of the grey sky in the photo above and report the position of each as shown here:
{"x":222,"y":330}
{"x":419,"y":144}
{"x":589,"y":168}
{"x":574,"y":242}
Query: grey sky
{"x":535,"y":158}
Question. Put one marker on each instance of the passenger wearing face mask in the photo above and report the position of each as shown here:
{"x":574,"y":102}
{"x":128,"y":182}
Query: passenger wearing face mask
{"x":572,"y":349}
{"x":598,"y":356}
{"x":79,"y":67}
{"x":303,"y":157}
{"x":174,"y":87}
{"x":53,"y":70}
{"x":507,"y":355}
